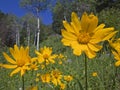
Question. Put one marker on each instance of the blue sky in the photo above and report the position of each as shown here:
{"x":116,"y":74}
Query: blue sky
{"x":13,"y":7}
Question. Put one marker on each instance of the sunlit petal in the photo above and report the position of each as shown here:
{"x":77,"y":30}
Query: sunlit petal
{"x":68,"y":27}
{"x":15,"y":71}
{"x":69,"y":36}
{"x":10,"y":60}
{"x":94,"y":47}
{"x":75,"y":20}
{"x":9,"y":66}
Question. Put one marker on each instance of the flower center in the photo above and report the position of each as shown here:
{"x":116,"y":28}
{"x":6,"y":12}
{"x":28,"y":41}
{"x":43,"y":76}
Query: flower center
{"x":20,"y":63}
{"x":83,"y":38}
{"x":45,"y":56}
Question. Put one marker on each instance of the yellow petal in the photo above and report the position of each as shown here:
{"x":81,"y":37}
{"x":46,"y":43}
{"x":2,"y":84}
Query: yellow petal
{"x":34,"y":59}
{"x":101,"y":35}
{"x":76,"y":29}
{"x":15,"y":71}
{"x":38,"y":53}
{"x":40,"y":59}
{"x":68,"y":27}
{"x":89,"y":23}
{"x":9,"y":66}
{"x":16,"y":49}
{"x":101,"y":26}
{"x":17,"y":52}
{"x":110,"y":35}
{"x":84,"y":22}
{"x":93,"y":22}
{"x":68,"y":35}
{"x":32,"y":88}
{"x":27,"y":50}
{"x":117,"y":63}
{"x":22,"y":71}
{"x":66,"y":42}
{"x":94,"y":47}
{"x":86,"y":49}
{"x":91,"y":54}
{"x":10,"y":60}
{"x":12,"y":53}
{"x":22,"y":52}
{"x":77,"y":52}
{"x":116,"y":55}
{"x":76,"y":20}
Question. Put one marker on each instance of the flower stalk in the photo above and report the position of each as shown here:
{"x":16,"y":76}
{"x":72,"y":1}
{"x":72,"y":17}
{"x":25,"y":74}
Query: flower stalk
{"x":23,"y":84}
{"x":86,"y":78}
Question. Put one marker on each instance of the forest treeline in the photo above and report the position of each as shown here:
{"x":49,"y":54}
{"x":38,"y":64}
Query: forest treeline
{"x":24,"y":30}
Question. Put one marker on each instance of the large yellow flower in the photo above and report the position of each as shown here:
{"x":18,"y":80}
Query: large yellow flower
{"x":20,"y":60}
{"x":45,"y":55}
{"x":84,"y":35}
{"x":115,"y":44}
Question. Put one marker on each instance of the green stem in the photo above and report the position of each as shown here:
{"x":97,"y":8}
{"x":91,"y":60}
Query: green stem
{"x":23,"y":85}
{"x":86,"y":83}
{"x":114,"y":79}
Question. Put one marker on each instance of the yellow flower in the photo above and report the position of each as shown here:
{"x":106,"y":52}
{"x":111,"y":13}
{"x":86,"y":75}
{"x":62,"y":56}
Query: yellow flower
{"x":42,"y":66}
{"x":56,"y":77}
{"x":60,"y":62}
{"x":94,"y":74}
{"x":45,"y":55}
{"x":60,"y":56}
{"x":68,"y":78}
{"x":84,"y":35}
{"x":62,"y":86}
{"x":20,"y":60}
{"x":115,"y":44}
{"x":32,"y":88}
{"x":34,"y":66}
{"x":37,"y":79}
{"x":45,"y":78}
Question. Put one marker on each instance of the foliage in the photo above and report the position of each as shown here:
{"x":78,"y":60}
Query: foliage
{"x":8,"y":29}
{"x":63,"y":9}
{"x":46,"y":31}
{"x":107,"y":75}
{"x":32,"y":5}
{"x":110,"y":18}
{"x":54,"y":41}
{"x":103,"y":4}
{"x":103,"y":65}
{"x":29,"y":21}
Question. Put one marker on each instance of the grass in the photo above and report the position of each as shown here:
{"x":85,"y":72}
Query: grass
{"x":108,"y":76}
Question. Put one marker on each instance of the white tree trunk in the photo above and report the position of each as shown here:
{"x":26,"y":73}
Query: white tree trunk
{"x":17,"y":36}
{"x":28,"y":35}
{"x":38,"y":32}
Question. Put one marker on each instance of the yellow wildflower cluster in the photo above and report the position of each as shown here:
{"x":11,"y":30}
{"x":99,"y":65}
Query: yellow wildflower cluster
{"x":55,"y":77}
{"x":22,"y":62}
{"x":45,"y":56}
